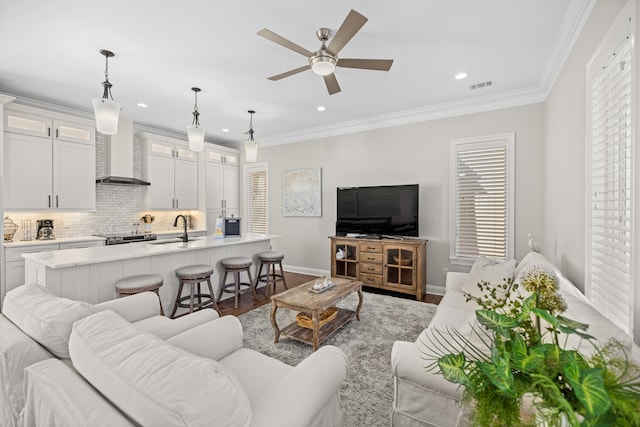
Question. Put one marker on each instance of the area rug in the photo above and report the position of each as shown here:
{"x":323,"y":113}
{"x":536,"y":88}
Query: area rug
{"x":367,"y":394}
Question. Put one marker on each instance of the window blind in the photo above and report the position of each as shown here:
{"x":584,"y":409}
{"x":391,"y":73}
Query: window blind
{"x":609,"y":273}
{"x":483,"y":197}
{"x":256,"y":206}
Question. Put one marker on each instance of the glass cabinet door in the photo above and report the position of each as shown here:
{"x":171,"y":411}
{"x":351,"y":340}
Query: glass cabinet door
{"x":345,"y":258}
{"x":400,"y":266}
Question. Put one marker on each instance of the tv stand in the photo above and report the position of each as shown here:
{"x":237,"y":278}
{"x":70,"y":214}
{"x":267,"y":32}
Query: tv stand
{"x":383,"y":263}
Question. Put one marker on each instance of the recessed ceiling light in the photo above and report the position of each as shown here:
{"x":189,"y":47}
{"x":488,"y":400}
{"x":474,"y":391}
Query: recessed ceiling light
{"x":142,"y":105}
{"x":321,"y":108}
{"x":225,"y":130}
{"x":461,"y":76}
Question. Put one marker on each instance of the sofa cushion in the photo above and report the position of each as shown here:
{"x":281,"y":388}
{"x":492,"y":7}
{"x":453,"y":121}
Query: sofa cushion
{"x":485,"y":270}
{"x":151,"y":381}
{"x":43,"y":316}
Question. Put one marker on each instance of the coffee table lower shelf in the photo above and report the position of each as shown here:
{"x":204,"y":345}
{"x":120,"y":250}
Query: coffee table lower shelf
{"x":305,"y":335}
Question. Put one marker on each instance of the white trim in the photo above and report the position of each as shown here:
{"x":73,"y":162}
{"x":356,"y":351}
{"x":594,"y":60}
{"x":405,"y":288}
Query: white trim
{"x":306,"y":270}
{"x":436,"y":289}
{"x":504,"y":139}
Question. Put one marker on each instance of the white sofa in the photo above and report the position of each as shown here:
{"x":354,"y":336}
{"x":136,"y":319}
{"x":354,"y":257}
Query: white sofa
{"x":201,"y":377}
{"x":35,"y":325}
{"x":424,"y":398}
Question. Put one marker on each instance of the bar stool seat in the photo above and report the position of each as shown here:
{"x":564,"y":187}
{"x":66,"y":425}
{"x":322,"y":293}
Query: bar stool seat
{"x":270,"y":259}
{"x":194,"y":275}
{"x":235,"y":266}
{"x":141,"y":283}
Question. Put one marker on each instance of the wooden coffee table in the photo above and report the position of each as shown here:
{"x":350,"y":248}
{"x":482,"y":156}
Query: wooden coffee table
{"x":302,"y":299}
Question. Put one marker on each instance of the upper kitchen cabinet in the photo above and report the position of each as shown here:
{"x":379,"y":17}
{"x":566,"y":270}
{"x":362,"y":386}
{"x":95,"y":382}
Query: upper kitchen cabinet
{"x":49,"y":161}
{"x":222,"y":181}
{"x":172,"y":170}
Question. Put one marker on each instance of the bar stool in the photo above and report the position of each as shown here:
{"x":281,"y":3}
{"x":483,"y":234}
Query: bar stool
{"x":141,"y":283}
{"x":235,"y":266}
{"x":270,"y":259}
{"x":193,"y":275}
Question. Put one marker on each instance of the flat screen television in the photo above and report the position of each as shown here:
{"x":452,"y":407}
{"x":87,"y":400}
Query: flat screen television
{"x":389,"y":210}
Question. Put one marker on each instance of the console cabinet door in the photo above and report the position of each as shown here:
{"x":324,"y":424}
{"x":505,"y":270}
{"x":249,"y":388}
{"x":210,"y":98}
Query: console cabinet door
{"x":344,"y":255}
{"x":400,"y":266}
{"x":28,"y":168}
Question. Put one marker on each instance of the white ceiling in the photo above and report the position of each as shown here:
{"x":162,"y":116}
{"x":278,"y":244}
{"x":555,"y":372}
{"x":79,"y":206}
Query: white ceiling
{"x":49,"y":52}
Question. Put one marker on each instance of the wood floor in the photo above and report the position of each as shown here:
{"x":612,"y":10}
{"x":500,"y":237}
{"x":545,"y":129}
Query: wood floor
{"x":248,"y":303}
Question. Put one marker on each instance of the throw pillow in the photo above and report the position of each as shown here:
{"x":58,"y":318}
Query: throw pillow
{"x":43,"y":316}
{"x":153,"y":382}
{"x":485,"y":270}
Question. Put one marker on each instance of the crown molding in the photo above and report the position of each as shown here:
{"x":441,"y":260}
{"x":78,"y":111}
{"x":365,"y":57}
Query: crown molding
{"x":6,"y":99}
{"x":566,"y":40}
{"x":509,"y":99}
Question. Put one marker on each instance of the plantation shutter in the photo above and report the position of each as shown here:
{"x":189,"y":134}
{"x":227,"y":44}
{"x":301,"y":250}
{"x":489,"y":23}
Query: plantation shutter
{"x":256,"y":207}
{"x":609,"y":249}
{"x":483,"y":198}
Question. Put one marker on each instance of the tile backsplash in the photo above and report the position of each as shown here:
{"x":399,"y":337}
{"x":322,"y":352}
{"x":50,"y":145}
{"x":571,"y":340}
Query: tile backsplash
{"x":117,"y":207}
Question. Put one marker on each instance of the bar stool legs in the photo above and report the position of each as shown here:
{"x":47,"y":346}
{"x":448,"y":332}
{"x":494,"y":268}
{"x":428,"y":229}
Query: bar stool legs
{"x":193,"y":276}
{"x":270,"y":259}
{"x":235,"y":266}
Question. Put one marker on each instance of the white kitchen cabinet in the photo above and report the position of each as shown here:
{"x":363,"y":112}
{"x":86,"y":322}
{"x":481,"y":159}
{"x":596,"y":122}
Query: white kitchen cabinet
{"x":172,"y":170}
{"x":35,"y":122}
{"x":222,"y":191}
{"x":49,"y":163}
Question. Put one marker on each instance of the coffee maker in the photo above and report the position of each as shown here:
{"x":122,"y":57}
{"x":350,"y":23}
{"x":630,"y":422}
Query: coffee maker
{"x":44,"y":229}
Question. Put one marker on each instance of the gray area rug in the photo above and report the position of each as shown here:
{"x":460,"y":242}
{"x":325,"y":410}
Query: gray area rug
{"x":367,"y":395}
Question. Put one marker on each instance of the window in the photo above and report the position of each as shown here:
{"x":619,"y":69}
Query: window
{"x":482,"y":183}
{"x":610,"y":233}
{"x":256,"y":200}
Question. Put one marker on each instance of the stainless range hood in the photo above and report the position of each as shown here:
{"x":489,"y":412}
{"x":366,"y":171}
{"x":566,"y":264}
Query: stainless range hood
{"x":119,"y":156}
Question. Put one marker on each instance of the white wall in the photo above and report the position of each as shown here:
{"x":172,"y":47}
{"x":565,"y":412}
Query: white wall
{"x":417,"y":153}
{"x":565,"y":148}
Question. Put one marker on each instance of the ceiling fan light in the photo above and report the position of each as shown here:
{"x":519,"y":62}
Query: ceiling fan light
{"x":323,"y":65}
{"x":195,"y":134}
{"x":251,"y":150}
{"x":107,"y":113}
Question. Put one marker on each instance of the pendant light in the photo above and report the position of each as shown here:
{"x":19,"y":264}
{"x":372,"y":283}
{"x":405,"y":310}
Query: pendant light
{"x":195,"y":131}
{"x":107,"y":110}
{"x":251,"y":145}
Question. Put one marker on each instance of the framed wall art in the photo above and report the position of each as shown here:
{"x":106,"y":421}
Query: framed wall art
{"x":302,"y":192}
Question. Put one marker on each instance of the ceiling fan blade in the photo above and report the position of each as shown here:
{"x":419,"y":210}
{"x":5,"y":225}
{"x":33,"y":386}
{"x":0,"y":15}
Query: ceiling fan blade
{"x":289,"y":73}
{"x":270,"y":35}
{"x":332,"y":83}
{"x":367,"y":64}
{"x":351,"y":25}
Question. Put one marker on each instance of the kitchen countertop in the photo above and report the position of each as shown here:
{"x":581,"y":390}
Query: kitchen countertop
{"x":99,"y":254}
{"x":20,"y":243}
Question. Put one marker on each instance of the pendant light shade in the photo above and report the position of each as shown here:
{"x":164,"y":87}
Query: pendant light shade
{"x":107,"y":110}
{"x":251,"y":145}
{"x":195,"y":132}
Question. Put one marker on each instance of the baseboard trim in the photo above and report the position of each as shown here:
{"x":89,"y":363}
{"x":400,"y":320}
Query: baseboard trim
{"x":435,"y":290}
{"x":306,"y":270}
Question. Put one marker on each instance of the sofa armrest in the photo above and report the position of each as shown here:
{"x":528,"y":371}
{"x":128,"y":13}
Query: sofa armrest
{"x":57,"y":396}
{"x":455,"y":281}
{"x":408,"y":364}
{"x":298,"y":398}
{"x":134,"y":307}
{"x":165,"y":328}
{"x":17,"y":351}
{"x":213,"y":340}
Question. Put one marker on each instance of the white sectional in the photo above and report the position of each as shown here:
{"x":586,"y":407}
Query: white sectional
{"x":35,"y":325}
{"x":424,"y":398}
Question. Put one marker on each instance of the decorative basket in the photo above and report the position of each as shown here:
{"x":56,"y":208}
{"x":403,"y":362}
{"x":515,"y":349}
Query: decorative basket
{"x":305,"y":321}
{"x":10,"y":229}
{"x":404,"y":262}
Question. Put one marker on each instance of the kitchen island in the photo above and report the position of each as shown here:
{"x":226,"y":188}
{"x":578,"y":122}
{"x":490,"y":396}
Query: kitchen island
{"x":89,"y":274}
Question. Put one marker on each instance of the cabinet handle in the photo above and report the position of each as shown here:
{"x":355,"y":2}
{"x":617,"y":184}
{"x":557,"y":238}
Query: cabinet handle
{"x":371,"y":269}
{"x":56,"y":200}
{"x":177,"y":203}
{"x":49,"y":134}
{"x":56,"y":133}
{"x":49,"y":200}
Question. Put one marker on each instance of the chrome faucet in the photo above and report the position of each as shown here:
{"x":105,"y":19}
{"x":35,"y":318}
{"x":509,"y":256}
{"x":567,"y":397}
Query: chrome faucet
{"x":185,"y":236}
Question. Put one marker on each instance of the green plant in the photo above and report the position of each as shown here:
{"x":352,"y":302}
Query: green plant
{"x":518,"y":351}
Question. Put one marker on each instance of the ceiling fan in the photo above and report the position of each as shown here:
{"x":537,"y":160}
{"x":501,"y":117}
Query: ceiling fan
{"x":324,"y":61}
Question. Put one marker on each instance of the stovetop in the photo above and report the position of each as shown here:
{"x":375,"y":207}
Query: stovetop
{"x":118,"y":239}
